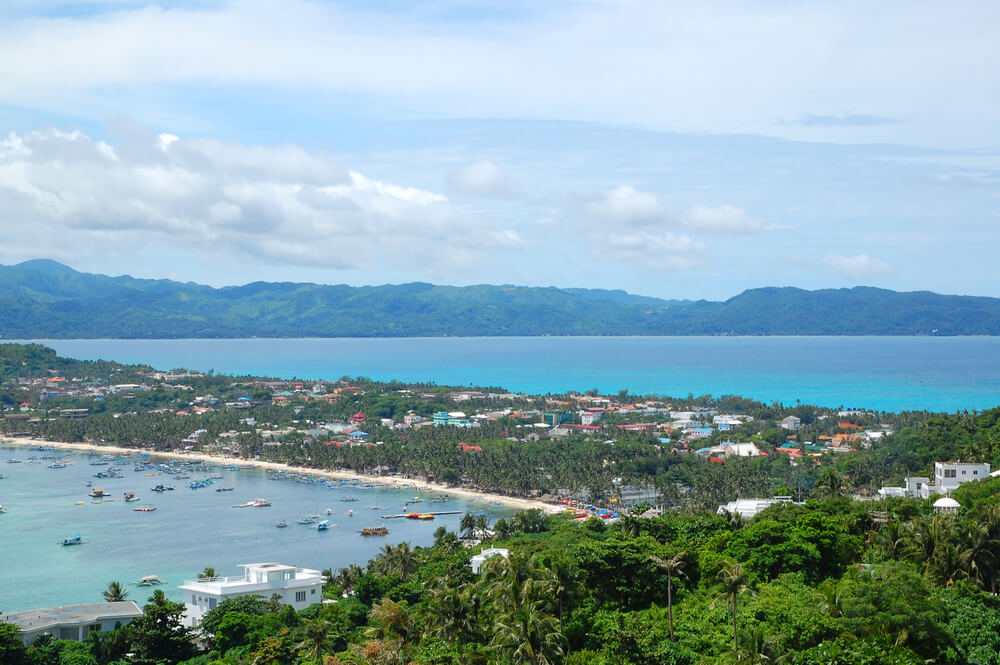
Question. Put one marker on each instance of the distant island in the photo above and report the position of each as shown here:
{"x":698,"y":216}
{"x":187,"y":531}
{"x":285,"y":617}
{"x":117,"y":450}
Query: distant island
{"x":46,"y":299}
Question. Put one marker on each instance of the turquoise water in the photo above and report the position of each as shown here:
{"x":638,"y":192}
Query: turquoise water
{"x":886,"y":373}
{"x":190,"y":529}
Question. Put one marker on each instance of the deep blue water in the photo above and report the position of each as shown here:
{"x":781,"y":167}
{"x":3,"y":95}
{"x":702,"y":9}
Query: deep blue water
{"x":190,"y":529}
{"x":886,"y":373}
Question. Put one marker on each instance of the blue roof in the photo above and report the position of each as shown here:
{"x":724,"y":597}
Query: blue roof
{"x":358,"y":433}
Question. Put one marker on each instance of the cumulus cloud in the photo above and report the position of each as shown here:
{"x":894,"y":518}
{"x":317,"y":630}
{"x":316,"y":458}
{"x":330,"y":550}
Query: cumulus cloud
{"x":277,"y":204}
{"x":625,"y":206}
{"x":630,"y":226}
{"x":856,"y":268}
{"x":482,"y":178}
{"x":722,"y":219}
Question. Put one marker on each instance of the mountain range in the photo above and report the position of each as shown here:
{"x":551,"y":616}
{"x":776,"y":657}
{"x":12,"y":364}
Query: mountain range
{"x":46,"y":299}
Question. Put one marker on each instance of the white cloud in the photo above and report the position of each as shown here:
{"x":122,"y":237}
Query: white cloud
{"x":73,"y":196}
{"x":724,"y":219}
{"x":630,"y":226}
{"x":856,"y":268}
{"x":871,"y":59}
{"x":482,"y":178}
{"x":625,"y":206}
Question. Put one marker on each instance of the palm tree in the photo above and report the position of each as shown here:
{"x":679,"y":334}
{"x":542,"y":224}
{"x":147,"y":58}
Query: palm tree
{"x":673,"y":566}
{"x":207,"y":573}
{"x":389,"y":620}
{"x":347,"y":578}
{"x":829,"y":485}
{"x":467,"y":525}
{"x":314,"y":635}
{"x":115,"y":592}
{"x":450,"y":614}
{"x":734,"y":583}
{"x":891,"y":538}
{"x":530,"y":636}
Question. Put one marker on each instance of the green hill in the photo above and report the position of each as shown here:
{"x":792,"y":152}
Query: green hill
{"x":45,"y":299}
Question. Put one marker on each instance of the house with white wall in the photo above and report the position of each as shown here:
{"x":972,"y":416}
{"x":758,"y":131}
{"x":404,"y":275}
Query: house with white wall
{"x":298,"y":587}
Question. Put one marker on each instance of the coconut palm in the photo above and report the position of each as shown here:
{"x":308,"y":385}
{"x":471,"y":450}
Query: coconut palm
{"x":313,"y":638}
{"x":734,"y":583}
{"x":672,"y":566}
{"x":467,"y":525}
{"x":530,"y":636}
{"x":115,"y":592}
{"x":891,"y":539}
{"x":450,"y":614}
{"x":207,"y":573}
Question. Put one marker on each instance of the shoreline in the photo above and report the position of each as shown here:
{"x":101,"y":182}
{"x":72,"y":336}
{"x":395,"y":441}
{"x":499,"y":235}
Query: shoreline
{"x":393,"y":481}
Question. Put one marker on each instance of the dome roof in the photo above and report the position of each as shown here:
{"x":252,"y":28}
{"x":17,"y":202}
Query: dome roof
{"x":946,"y":502}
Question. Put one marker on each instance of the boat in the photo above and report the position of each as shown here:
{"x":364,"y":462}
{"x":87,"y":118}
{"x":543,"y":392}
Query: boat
{"x":375,"y":531}
{"x":144,"y":509}
{"x":14,"y":460}
{"x":151,"y":580}
{"x":350,"y":513}
{"x":329,"y":511}
{"x":73,"y":540}
{"x":282,"y":524}
{"x":224,"y":489}
{"x":255,"y":503}
{"x":305,"y":520}
{"x":323,"y":526}
{"x":98,"y":493}
{"x":161,"y":488}
{"x":2,"y":510}
{"x":348,"y":499}
{"x":130,"y":497}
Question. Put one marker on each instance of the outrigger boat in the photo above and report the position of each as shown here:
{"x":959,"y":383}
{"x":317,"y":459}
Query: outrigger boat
{"x":144,"y":509}
{"x":98,"y":493}
{"x":73,"y":540}
{"x":130,"y":497}
{"x":161,"y":488}
{"x":323,"y":526}
{"x":282,"y":524}
{"x":375,"y":531}
{"x":151,"y":580}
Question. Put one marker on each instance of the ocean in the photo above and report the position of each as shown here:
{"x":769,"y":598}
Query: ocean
{"x":190,"y":530}
{"x":882,"y":373}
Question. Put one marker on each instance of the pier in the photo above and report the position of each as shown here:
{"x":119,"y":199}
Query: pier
{"x":432,"y":513}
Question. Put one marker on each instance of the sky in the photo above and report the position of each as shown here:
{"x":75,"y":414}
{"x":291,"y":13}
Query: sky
{"x":671,"y":149}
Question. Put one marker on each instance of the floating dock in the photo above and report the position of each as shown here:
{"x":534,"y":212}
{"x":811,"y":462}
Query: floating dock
{"x":439,"y":512}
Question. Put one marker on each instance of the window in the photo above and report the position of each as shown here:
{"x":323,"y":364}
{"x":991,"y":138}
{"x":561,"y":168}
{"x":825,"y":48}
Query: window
{"x":300,"y":596}
{"x":949,"y":473}
{"x":95,"y":628}
{"x":314,"y":592}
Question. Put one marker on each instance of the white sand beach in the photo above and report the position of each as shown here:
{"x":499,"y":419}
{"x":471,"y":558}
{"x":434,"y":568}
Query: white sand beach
{"x":395,"y":481}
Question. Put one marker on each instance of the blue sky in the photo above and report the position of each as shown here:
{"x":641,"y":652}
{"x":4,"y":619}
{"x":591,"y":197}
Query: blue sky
{"x":672,"y":149}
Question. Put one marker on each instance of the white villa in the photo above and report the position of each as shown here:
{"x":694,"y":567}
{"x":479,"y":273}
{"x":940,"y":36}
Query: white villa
{"x":476,"y":563}
{"x":298,"y":587}
{"x":748,"y":508}
{"x":72,"y":622}
{"x":947,"y":476}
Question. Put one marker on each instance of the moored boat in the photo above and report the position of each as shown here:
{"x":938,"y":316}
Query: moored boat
{"x":98,"y":493}
{"x":323,"y":526}
{"x":282,"y":524}
{"x":144,"y":509}
{"x":375,"y":531}
{"x":151,"y":580}
{"x":73,"y":540}
{"x":130,"y":497}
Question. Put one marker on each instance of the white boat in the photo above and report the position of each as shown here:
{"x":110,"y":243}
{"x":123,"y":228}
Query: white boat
{"x":150,"y":580}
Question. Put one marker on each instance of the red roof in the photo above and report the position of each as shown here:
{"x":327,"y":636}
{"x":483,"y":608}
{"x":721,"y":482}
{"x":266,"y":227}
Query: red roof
{"x":464,"y":447}
{"x":716,"y":459}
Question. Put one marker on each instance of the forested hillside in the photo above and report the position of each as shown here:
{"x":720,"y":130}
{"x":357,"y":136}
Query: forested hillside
{"x":44,"y":299}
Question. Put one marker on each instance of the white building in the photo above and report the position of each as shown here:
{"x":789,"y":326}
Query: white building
{"x":298,"y":587}
{"x":791,"y":423}
{"x":72,"y":622}
{"x":949,"y":475}
{"x":476,"y":563}
{"x":748,"y":508}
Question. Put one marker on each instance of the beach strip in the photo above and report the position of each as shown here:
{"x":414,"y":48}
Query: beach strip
{"x":517,"y":503}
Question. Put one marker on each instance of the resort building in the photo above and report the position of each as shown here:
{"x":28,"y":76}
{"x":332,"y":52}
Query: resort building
{"x":947,"y":476}
{"x":476,"y":563}
{"x":748,"y":508}
{"x":72,"y":622}
{"x":298,"y":587}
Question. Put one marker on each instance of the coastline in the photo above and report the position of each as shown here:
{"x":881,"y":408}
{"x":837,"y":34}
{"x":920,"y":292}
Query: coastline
{"x":397,"y":482}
